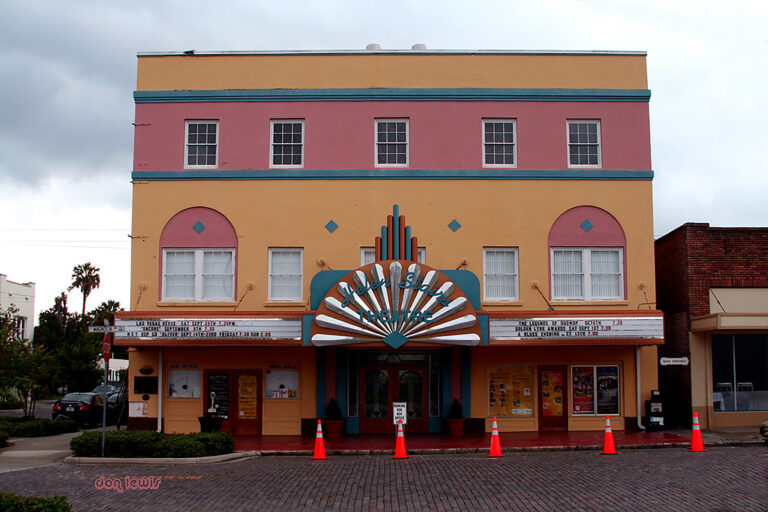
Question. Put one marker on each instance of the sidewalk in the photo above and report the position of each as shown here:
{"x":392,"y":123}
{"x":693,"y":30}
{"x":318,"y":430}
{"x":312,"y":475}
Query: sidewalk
{"x":35,"y":452}
{"x":479,"y":443}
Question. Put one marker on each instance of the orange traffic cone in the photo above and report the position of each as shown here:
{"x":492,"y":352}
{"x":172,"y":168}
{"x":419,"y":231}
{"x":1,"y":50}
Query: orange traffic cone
{"x":495,"y":441}
{"x":608,"y":447}
{"x":400,"y":443}
{"x":319,"y":443}
{"x":697,"y":443}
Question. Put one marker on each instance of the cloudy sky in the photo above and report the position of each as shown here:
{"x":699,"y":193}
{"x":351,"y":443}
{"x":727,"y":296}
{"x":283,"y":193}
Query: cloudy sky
{"x":69,"y":69}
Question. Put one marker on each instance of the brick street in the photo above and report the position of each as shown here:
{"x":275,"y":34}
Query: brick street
{"x":722,"y":479}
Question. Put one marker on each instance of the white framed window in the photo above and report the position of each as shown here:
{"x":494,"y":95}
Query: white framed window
{"x":587,"y":273}
{"x":286,"y":274}
{"x":584,"y":143}
{"x":198,"y":274}
{"x":201,"y":144}
{"x":368,"y":255}
{"x":500,"y":275}
{"x":287,"y":147}
{"x":391,"y":143}
{"x":499,"y":143}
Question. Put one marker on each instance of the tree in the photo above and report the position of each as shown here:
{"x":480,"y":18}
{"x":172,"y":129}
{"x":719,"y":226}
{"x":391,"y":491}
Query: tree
{"x":65,"y":336}
{"x":86,"y":278}
{"x":24,"y":367}
{"x":105,"y":311}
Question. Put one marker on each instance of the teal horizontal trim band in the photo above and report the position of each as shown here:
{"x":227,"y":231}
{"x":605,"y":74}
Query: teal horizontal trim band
{"x":392,"y":174}
{"x":641,"y":95}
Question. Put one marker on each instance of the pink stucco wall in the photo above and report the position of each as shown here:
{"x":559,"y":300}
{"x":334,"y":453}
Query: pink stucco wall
{"x":443,"y":134}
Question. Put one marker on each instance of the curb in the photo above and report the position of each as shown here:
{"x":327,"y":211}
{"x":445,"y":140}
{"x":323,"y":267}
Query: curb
{"x":215,"y":459}
{"x":162,"y":461}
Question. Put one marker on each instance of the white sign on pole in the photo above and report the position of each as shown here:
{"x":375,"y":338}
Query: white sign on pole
{"x":399,"y":412}
{"x":106,"y":328}
{"x":674,"y":361}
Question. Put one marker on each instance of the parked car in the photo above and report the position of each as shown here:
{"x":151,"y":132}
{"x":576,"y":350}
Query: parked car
{"x":117,"y":408}
{"x":109,"y":388}
{"x":83,"y":408}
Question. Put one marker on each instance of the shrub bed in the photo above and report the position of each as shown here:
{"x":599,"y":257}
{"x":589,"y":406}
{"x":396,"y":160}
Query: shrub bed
{"x":3,"y":438}
{"x":26,"y":427}
{"x":146,"y":443}
{"x":14,"y":503}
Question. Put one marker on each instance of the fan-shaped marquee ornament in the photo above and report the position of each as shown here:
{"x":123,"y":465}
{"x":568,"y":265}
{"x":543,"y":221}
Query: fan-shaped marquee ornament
{"x":394,"y":302}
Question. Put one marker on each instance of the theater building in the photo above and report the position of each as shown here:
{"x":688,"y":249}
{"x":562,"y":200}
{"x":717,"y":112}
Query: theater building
{"x":391,"y":226}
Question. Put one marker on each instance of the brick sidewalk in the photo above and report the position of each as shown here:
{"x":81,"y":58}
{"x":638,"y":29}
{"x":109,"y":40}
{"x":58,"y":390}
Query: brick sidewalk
{"x":723,"y":479}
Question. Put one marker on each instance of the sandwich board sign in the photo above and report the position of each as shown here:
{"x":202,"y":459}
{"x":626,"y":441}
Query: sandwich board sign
{"x":399,"y":412}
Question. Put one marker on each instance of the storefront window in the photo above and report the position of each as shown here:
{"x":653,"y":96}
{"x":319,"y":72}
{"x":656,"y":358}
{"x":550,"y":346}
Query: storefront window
{"x":282,"y":384}
{"x":510,"y":391}
{"x":183,"y":383}
{"x":740,"y":372}
{"x":595,"y":390}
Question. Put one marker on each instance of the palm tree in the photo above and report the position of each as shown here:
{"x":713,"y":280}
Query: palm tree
{"x":86,"y":278}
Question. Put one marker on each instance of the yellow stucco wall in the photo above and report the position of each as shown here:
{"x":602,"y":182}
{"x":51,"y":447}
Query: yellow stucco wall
{"x":279,"y":416}
{"x":294,"y":213}
{"x":624,"y":357}
{"x":321,"y":71}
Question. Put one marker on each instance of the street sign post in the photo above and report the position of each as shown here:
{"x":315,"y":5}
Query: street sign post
{"x":399,"y":412}
{"x":106,"y":328}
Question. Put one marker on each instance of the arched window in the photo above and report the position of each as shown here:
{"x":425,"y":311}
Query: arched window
{"x":587,"y":250}
{"x":198,"y":249}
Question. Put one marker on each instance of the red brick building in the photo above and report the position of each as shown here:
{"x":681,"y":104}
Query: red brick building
{"x":713,"y":289}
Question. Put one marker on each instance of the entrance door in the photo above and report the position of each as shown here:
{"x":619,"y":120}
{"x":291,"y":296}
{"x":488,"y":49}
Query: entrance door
{"x":553,"y":408}
{"x":247,"y":414}
{"x":381,"y":385}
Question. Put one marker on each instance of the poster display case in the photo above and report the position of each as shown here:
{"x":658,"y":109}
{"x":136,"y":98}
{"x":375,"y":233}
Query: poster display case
{"x":510,"y":391}
{"x":595,"y":390}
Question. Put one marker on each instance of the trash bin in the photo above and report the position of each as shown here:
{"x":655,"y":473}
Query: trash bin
{"x":654,"y":412}
{"x":210,"y":423}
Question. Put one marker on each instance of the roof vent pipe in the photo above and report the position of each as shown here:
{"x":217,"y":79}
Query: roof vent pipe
{"x":419,"y":47}
{"x":372,"y":47}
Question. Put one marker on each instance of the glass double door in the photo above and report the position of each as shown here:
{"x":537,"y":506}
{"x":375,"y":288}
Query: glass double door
{"x":381,"y":385}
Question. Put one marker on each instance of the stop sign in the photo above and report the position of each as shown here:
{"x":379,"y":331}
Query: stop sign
{"x":106,"y":349}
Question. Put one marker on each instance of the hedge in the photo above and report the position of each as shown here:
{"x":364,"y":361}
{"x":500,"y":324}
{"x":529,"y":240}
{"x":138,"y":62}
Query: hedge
{"x":3,"y":438}
{"x":147,"y":443}
{"x":14,"y":503}
{"x":25,"y":427}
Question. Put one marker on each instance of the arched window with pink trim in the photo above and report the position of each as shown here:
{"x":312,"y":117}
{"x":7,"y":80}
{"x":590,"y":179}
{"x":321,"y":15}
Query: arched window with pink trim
{"x":587,"y":250}
{"x":198,"y":249}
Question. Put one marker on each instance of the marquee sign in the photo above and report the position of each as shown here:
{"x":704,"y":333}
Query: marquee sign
{"x":578,"y":328}
{"x":214,"y":329}
{"x":395,"y":302}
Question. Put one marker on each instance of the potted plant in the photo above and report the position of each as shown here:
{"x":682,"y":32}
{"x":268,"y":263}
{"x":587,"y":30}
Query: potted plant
{"x":333,"y":419}
{"x":455,"y":418}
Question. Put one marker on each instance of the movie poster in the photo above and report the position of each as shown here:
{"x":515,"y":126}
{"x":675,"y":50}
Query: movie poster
{"x":608,"y":390}
{"x":583,"y":389}
{"x":552,"y":393}
{"x":510,"y":391}
{"x":248,"y":397}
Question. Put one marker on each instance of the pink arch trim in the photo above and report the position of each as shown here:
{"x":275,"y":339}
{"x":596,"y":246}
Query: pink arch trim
{"x":180,"y":230}
{"x":605,"y":230}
